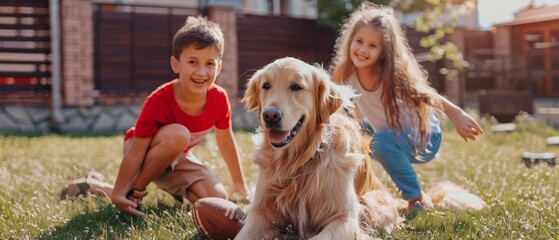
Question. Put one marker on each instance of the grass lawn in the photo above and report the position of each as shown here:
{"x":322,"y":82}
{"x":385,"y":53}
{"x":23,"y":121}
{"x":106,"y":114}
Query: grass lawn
{"x":522,"y":202}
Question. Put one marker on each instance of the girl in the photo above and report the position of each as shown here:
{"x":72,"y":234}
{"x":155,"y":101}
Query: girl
{"x":374,"y":57}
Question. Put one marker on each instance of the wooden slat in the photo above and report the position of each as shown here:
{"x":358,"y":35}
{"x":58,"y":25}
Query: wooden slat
{"x":18,"y":81}
{"x":37,"y":26}
{"x":22,"y":88}
{"x":24,"y":74}
{"x":25,"y":15}
{"x":24,"y":62}
{"x":25,"y":39}
{"x":25,"y":50}
{"x":25,"y":3}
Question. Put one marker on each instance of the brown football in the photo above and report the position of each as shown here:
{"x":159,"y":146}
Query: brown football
{"x":217,"y":218}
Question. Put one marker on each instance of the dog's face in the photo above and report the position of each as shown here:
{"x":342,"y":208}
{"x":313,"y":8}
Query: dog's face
{"x":291,"y":96}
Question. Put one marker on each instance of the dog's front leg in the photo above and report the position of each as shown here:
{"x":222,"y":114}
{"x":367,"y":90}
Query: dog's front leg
{"x":256,"y":227}
{"x":340,"y":229}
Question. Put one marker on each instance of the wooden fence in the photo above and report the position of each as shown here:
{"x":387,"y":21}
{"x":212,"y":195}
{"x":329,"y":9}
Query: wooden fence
{"x":262,"y":39}
{"x":133,"y":45}
{"x":24,"y":45}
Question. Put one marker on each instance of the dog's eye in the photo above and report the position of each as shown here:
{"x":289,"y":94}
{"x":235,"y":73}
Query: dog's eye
{"x":266,"y":86}
{"x":295,"y":88}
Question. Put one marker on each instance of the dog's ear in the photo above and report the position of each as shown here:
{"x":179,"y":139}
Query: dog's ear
{"x":328,"y":99}
{"x":250,"y":99}
{"x":331,"y":96}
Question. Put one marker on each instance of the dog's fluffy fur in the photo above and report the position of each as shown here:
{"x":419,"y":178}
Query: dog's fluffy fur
{"x":315,"y":172}
{"x":314,"y":169}
{"x":449,"y":196}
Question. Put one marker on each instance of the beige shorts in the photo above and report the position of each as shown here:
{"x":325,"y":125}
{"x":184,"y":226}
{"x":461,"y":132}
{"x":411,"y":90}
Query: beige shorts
{"x":185,"y":170}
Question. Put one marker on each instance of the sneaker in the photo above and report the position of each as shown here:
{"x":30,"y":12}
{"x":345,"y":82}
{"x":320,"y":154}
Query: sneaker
{"x":178,"y":198}
{"x":415,"y":209}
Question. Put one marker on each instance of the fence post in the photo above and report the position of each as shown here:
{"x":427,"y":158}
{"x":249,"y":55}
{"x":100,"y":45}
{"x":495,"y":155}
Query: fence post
{"x":56,"y":104}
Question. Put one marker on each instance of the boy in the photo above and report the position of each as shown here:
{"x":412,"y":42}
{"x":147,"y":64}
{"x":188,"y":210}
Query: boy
{"x":174,"y":119}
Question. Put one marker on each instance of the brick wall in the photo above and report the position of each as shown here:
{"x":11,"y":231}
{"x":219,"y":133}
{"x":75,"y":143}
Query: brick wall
{"x":77,"y":52}
{"x":26,"y":98}
{"x":228,"y":78}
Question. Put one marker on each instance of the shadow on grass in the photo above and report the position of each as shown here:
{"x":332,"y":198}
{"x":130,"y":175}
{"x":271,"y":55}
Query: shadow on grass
{"x":104,"y":223}
{"x":446,"y":225}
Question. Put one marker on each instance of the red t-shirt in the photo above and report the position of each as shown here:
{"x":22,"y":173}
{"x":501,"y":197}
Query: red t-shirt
{"x":160,"y":108}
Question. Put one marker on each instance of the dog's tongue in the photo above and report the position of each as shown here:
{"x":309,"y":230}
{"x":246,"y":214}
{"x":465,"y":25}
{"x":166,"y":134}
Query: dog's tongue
{"x":276,"y":136}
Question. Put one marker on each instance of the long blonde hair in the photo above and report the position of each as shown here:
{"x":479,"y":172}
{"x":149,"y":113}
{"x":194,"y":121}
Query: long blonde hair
{"x":402,"y":76}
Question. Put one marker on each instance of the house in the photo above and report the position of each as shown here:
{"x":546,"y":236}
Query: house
{"x":88,"y":64}
{"x":516,"y":63}
{"x":531,"y":40}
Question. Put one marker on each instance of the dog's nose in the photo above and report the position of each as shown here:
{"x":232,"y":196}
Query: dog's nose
{"x":272,"y":116}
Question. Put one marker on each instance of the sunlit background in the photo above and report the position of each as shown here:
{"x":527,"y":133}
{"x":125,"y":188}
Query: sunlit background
{"x":108,"y":61}
{"x":499,"y":11}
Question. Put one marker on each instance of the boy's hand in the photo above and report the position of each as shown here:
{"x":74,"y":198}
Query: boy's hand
{"x":239,"y":187}
{"x":127,"y":205}
{"x":467,"y":127}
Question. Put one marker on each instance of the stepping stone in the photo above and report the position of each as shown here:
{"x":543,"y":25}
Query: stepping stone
{"x":530,"y":158}
{"x":553,"y":140}
{"x":505,"y":127}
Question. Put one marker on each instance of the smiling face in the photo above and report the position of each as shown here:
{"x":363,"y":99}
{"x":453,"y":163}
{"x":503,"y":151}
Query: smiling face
{"x":294,"y":100}
{"x":286,"y":100}
{"x":366,"y":47}
{"x":197,"y":69}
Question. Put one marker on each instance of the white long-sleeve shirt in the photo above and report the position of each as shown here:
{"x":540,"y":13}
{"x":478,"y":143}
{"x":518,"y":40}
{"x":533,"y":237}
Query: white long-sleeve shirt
{"x":372,"y":110}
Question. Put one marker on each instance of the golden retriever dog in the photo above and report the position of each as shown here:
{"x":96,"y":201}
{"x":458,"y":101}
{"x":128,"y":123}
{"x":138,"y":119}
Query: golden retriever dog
{"x":315,"y":172}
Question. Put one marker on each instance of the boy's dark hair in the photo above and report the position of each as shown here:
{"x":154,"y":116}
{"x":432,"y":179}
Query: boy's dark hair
{"x":201,"y":33}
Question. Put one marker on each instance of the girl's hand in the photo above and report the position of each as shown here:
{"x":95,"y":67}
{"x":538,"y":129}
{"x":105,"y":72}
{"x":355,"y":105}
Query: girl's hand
{"x":466,"y":126}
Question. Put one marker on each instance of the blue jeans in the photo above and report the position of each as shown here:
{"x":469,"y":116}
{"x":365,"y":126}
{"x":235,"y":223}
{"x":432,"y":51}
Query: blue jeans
{"x":396,"y":155}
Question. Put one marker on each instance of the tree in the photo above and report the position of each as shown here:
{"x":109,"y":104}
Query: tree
{"x":333,"y":12}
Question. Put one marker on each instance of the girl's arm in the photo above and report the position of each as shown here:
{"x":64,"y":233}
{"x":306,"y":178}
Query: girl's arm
{"x":465,"y":125}
{"x":129,"y":168}
{"x":229,"y":151}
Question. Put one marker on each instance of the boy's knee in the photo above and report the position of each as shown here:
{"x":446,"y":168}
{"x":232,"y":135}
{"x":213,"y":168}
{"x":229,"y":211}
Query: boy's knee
{"x":206,"y":188}
{"x":193,"y":196}
{"x":175,"y":135}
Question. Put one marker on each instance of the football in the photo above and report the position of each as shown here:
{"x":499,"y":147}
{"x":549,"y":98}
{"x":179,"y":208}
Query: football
{"x":217,"y":218}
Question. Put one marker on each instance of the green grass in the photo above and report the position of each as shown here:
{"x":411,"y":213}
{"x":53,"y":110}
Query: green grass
{"x":522,"y":202}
